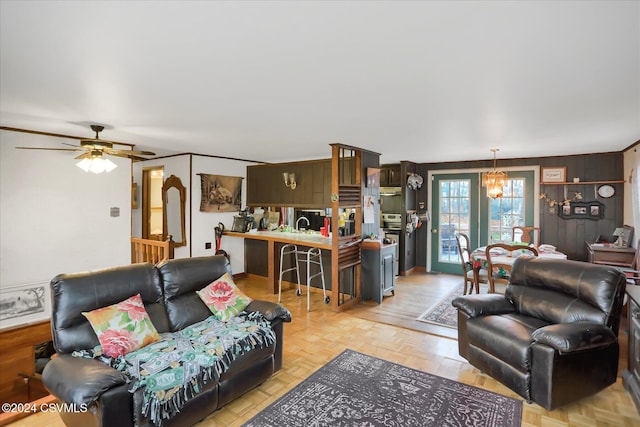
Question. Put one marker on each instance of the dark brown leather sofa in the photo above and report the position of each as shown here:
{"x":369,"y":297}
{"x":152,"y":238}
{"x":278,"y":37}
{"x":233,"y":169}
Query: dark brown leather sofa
{"x":553,"y":336}
{"x":168,"y":292}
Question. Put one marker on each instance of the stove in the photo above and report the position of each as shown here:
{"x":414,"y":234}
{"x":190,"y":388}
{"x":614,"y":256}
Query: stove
{"x":391,"y":222}
{"x":392,"y":226}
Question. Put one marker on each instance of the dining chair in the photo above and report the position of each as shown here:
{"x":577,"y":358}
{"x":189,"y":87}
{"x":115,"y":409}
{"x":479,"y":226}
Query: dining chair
{"x":526,"y":235}
{"x":499,"y":266}
{"x":467,"y":267}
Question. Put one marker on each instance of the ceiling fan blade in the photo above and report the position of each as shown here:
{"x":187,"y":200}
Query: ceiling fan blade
{"x":86,"y":155}
{"x":50,"y":149}
{"x":130,"y":152}
{"x":126,"y":156}
{"x":71,"y":145}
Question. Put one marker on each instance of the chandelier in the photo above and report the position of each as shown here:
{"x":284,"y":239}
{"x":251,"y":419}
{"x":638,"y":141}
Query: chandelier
{"x":494,"y":180}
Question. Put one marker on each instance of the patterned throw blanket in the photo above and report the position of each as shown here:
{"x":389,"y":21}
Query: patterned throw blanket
{"x":173,"y":369}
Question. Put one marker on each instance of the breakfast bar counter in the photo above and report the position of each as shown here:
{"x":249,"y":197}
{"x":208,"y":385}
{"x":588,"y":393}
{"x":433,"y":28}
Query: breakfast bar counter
{"x":306,"y":239}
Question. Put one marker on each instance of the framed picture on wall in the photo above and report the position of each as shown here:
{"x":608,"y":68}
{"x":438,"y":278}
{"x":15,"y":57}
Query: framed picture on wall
{"x":555,"y":174}
{"x":582,"y":210}
{"x":24,"y":304}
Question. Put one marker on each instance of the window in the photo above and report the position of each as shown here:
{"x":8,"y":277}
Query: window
{"x":508,"y":211}
{"x":454,"y":216}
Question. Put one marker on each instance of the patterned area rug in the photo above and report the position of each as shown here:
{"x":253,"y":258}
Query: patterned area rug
{"x":359,"y":390}
{"x":443,"y":313}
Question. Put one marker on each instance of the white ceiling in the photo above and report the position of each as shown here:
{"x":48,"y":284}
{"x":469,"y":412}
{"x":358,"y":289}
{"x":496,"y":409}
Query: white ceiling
{"x":277,"y":81}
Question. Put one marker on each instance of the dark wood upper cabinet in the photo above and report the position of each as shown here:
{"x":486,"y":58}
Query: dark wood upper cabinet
{"x":265,"y":184}
{"x":390,"y":176}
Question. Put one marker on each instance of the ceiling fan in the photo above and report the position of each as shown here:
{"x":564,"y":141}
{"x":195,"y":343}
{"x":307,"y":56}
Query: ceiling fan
{"x":91,"y":160}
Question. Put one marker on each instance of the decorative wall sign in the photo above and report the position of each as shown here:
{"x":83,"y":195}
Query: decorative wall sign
{"x":24,"y":304}
{"x":582,"y":210}
{"x":558,"y":174}
{"x":220,"y":193}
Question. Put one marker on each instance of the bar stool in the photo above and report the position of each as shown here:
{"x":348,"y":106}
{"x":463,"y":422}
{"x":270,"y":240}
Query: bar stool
{"x":313,"y":258}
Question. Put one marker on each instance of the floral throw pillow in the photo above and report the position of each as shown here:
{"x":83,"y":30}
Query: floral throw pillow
{"x":223,"y":298}
{"x":122,"y":327}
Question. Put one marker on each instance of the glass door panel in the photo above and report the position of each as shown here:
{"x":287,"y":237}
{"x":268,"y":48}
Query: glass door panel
{"x":515,"y":207}
{"x":455,"y":210}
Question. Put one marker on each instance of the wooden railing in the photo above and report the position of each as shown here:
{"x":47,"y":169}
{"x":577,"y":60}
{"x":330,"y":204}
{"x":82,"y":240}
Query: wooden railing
{"x":153,"y":251}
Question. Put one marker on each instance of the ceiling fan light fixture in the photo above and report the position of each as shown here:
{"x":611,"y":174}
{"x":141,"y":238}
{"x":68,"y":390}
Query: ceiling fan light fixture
{"x":92,"y":159}
{"x":96,"y":165}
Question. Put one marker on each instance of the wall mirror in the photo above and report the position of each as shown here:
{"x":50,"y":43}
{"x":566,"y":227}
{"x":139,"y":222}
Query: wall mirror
{"x":152,"y":211}
{"x":174,"y":196}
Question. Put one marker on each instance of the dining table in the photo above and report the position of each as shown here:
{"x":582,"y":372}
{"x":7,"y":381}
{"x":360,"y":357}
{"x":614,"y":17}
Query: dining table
{"x":479,"y":260}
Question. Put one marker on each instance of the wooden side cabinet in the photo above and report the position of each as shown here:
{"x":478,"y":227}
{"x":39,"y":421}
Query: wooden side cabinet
{"x":606,"y":253}
{"x":378,"y":276}
{"x":631,"y":377}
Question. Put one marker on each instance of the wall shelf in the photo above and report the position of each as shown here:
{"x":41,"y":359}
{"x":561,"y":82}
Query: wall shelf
{"x":621,"y":181}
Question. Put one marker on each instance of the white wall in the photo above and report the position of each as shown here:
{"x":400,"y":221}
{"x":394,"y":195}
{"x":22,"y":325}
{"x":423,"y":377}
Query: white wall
{"x":199,"y":225}
{"x":54,"y":217}
{"x":203,"y":223}
{"x":632,"y":178}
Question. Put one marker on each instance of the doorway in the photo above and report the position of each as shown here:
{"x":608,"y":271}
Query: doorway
{"x":455,"y":210}
{"x":460,"y":205}
{"x":152,"y":209}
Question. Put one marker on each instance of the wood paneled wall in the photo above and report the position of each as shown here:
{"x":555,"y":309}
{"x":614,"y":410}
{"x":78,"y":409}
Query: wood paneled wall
{"x":371,"y":160}
{"x":568,"y":235}
{"x":408,"y":242}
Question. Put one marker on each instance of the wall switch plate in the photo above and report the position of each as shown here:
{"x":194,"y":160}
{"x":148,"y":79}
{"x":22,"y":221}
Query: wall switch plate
{"x":207,"y":245}
{"x":115,"y":212}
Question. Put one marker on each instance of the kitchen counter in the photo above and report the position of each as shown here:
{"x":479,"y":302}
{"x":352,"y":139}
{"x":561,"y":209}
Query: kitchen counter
{"x":373,"y":244}
{"x":314,"y":240}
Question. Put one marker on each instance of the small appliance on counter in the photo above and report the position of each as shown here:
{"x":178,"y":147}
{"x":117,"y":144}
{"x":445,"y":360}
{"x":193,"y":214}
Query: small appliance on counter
{"x":243,"y":222}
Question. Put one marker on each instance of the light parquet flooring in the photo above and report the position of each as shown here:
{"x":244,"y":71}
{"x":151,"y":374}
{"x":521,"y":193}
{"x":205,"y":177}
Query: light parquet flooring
{"x":313,"y":338}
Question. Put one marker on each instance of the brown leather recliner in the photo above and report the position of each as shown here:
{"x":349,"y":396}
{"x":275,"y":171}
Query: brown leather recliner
{"x":553,"y":336}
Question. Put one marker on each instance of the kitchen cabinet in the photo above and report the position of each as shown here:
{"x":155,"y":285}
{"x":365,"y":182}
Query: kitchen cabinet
{"x":265,"y":184}
{"x":378,"y":277}
{"x":390,"y":176}
{"x":631,"y":376}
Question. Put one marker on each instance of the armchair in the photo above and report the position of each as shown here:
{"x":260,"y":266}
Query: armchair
{"x":553,"y":336}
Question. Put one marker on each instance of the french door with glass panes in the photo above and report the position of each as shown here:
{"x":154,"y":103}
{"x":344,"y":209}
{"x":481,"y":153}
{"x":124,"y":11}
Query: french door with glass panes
{"x":455,"y":210}
{"x":515,"y":207}
{"x":460,"y":205}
